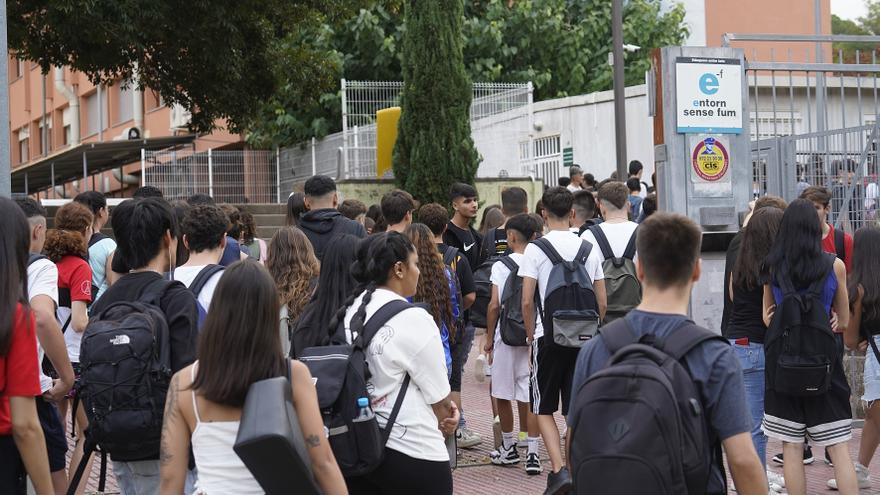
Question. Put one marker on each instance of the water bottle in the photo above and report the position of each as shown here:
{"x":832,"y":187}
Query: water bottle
{"x":364,"y":411}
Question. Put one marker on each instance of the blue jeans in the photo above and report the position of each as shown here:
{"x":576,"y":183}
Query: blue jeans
{"x":751,"y":360}
{"x":142,"y":478}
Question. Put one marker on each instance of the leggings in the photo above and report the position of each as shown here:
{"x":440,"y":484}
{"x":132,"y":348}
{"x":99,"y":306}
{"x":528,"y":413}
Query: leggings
{"x":400,"y":473}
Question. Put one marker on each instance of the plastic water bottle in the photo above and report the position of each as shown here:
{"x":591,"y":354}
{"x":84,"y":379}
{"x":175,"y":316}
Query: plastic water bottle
{"x":364,"y":411}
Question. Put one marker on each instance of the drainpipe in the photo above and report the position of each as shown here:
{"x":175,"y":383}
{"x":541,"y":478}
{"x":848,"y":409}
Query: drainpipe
{"x":138,"y":104}
{"x":67,"y":92}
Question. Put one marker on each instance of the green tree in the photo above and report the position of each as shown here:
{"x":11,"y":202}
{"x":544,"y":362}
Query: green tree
{"x":848,"y":49}
{"x":434,"y":146}
{"x":220,"y":59}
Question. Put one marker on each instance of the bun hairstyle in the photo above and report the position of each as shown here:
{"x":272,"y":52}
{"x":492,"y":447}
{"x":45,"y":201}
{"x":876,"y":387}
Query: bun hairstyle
{"x":68,"y":238}
{"x":376,"y":255}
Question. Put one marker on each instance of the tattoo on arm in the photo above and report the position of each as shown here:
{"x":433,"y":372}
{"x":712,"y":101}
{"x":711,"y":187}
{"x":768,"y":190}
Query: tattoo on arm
{"x":165,"y":455}
{"x":313,"y":441}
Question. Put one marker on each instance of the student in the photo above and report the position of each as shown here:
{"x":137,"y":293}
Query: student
{"x":233,"y":251}
{"x":296,"y":207}
{"x":295,"y":270}
{"x":826,"y":419}
{"x":101,"y":247}
{"x":335,"y":285}
{"x":649,"y":207}
{"x":436,"y":283}
{"x":436,"y":218}
{"x":635,"y":201}
{"x":514,"y":200}
{"x":834,"y":241}
{"x":459,"y":232}
{"x":863,"y":288}
{"x":586,"y":211}
{"x":416,"y":458}
{"x":668,"y":265}
{"x":205,"y":399}
{"x":613,"y":199}
{"x":22,"y":445}
{"x":256,"y":247}
{"x":493,"y":218}
{"x":374,"y":213}
{"x":746,"y":328}
{"x":148,"y":192}
{"x":635,"y":172}
{"x":510,"y":365}
{"x":554,"y":365}
{"x":397,"y":208}
{"x":353,"y":210}
{"x":149,"y":246}
{"x":323,"y":222}
{"x":204,"y":235}
{"x":42,"y":289}
{"x":576,"y":175}
{"x":590,"y":182}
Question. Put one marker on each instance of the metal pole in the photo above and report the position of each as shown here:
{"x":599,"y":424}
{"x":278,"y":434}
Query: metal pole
{"x":344,"y":133}
{"x":278,"y":174}
{"x":85,"y":173}
{"x":619,"y":87}
{"x":52,"y":171}
{"x":5,"y":155}
{"x":820,"y":76}
{"x":530,"y":157}
{"x":100,"y":114}
{"x":210,"y":174}
{"x":44,"y":141}
{"x":143,"y":168}
{"x":314,"y":160}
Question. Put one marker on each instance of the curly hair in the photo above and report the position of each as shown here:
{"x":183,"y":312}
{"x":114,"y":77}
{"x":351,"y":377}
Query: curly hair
{"x":248,"y":227}
{"x":204,"y":227}
{"x":433,"y":287}
{"x":72,"y":222}
{"x":291,"y":261}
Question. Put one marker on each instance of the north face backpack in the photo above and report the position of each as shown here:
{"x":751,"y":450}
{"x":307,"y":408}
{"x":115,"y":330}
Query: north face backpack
{"x":799,"y":348}
{"x":341,"y":374}
{"x":640,"y":422}
{"x":125,"y":359}
{"x":510,"y":318}
{"x":199,"y":283}
{"x":570,"y":314}
{"x":622,"y":286}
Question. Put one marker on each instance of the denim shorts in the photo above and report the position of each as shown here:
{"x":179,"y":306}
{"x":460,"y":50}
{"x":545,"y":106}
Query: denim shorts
{"x":872,"y":373}
{"x":460,"y":349}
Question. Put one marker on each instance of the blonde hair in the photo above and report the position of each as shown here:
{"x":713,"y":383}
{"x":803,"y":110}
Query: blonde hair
{"x":291,"y":261}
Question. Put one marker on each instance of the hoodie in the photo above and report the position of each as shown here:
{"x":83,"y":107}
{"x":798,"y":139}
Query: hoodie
{"x":320,"y":226}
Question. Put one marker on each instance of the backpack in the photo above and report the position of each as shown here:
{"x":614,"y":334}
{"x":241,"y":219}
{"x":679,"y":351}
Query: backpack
{"x":482,"y":284}
{"x":34,"y":257}
{"x":198,"y":284}
{"x":510,"y":318}
{"x":621,"y":283}
{"x":96,"y":238}
{"x":125,"y":360}
{"x":840,"y":244}
{"x":570,"y":314}
{"x":641,"y":422}
{"x":449,"y":256}
{"x":799,"y":348}
{"x":341,"y":374}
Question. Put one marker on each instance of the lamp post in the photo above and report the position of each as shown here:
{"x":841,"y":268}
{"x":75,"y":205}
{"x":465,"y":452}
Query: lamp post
{"x":5,"y":155}
{"x":619,"y":87}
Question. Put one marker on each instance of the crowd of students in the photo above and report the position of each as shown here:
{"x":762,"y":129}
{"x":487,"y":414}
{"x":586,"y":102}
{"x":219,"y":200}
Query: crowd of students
{"x":563,"y":300}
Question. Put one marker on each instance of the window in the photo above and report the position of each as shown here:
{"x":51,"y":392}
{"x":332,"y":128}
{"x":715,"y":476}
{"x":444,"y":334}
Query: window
{"x":94,"y":122}
{"x":24,"y":135}
{"x":125,"y":103}
{"x":65,"y":125}
{"x":16,"y":68}
{"x":767,"y":125}
{"x":44,"y":135}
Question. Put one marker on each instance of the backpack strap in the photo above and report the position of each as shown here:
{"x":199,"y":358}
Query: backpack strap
{"x":550,"y":251}
{"x":840,"y":244}
{"x":685,"y":338}
{"x":153,"y":292}
{"x":630,"y":251}
{"x":617,"y":335}
{"x":583,"y":252}
{"x":379,"y":319}
{"x":34,"y":257}
{"x":386,"y":432}
{"x":602,"y":240}
{"x":449,"y":255}
{"x":204,"y":275}
{"x":96,"y":238}
{"x":509,"y":263}
{"x":818,"y":285}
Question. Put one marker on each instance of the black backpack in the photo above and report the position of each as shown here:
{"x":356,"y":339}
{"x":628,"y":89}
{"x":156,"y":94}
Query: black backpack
{"x":640,"y":420}
{"x":482,"y":282}
{"x":800,"y":350}
{"x":622,"y":286}
{"x":125,"y":360}
{"x":510,"y":318}
{"x":341,"y":373}
{"x":570,"y":314}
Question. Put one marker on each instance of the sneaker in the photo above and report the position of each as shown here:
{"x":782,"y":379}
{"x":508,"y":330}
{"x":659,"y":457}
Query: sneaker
{"x":505,"y":456}
{"x":480,"y":368}
{"x":828,"y":459}
{"x":533,"y":465}
{"x":808,"y":457}
{"x":522,"y":440}
{"x":467,"y":439}
{"x":775,"y":479}
{"x":861,"y":475}
{"x":558,"y":483}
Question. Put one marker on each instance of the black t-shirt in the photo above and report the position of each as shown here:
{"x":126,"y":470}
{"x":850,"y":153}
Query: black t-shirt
{"x":729,"y":263}
{"x":469,"y":242}
{"x":747,"y":315}
{"x":463,"y":271}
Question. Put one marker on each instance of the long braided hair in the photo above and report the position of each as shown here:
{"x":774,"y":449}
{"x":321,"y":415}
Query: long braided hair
{"x":433,"y":287}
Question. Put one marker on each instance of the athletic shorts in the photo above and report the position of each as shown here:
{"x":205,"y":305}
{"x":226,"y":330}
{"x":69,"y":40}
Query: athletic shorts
{"x":824,"y":419}
{"x":872,"y":374}
{"x":53,"y":431}
{"x":510,"y":371}
{"x":553,"y":370}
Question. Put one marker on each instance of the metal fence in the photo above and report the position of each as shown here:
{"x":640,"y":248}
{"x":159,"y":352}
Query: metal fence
{"x":249,"y":176}
{"x":318,"y":156}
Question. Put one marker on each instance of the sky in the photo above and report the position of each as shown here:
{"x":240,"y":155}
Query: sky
{"x":848,"y":9}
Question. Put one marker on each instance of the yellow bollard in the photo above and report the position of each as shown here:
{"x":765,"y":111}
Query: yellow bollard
{"x":386,"y":136}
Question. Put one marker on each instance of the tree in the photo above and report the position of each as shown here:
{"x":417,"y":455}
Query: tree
{"x":220,"y":59}
{"x":848,"y":49}
{"x":434,"y":146}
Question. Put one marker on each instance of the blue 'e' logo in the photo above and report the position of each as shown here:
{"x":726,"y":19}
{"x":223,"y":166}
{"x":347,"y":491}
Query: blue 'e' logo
{"x":708,"y":84}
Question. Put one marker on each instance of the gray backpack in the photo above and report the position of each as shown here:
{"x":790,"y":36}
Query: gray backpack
{"x":511,"y":322}
{"x":622,"y":286}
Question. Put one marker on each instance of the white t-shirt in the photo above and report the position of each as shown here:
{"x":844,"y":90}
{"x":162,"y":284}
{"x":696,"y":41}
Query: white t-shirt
{"x":408,"y":343}
{"x":98,"y":254}
{"x":188,"y":274}
{"x":536,"y":265}
{"x":42,"y":277}
{"x":618,"y":235}
{"x":573,"y":188}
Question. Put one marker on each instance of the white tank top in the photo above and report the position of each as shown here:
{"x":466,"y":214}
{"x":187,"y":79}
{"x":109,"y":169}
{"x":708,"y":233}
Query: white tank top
{"x":220,"y":470}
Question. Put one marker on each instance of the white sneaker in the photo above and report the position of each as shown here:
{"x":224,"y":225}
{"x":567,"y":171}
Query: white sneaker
{"x":775,"y":479}
{"x":504,"y":456}
{"x":862,"y":476}
{"x":480,"y":368}
{"x":467,"y":438}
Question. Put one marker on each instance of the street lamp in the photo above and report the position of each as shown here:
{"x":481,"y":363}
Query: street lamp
{"x":619,"y":87}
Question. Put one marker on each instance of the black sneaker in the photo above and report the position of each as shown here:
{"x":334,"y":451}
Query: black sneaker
{"x":808,"y":456}
{"x":558,"y":483}
{"x":828,"y":458}
{"x":533,"y":465}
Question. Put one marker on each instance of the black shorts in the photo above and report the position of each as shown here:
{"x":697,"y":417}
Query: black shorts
{"x":400,"y":473}
{"x":53,"y":430}
{"x":553,"y":371}
{"x":13,"y":478}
